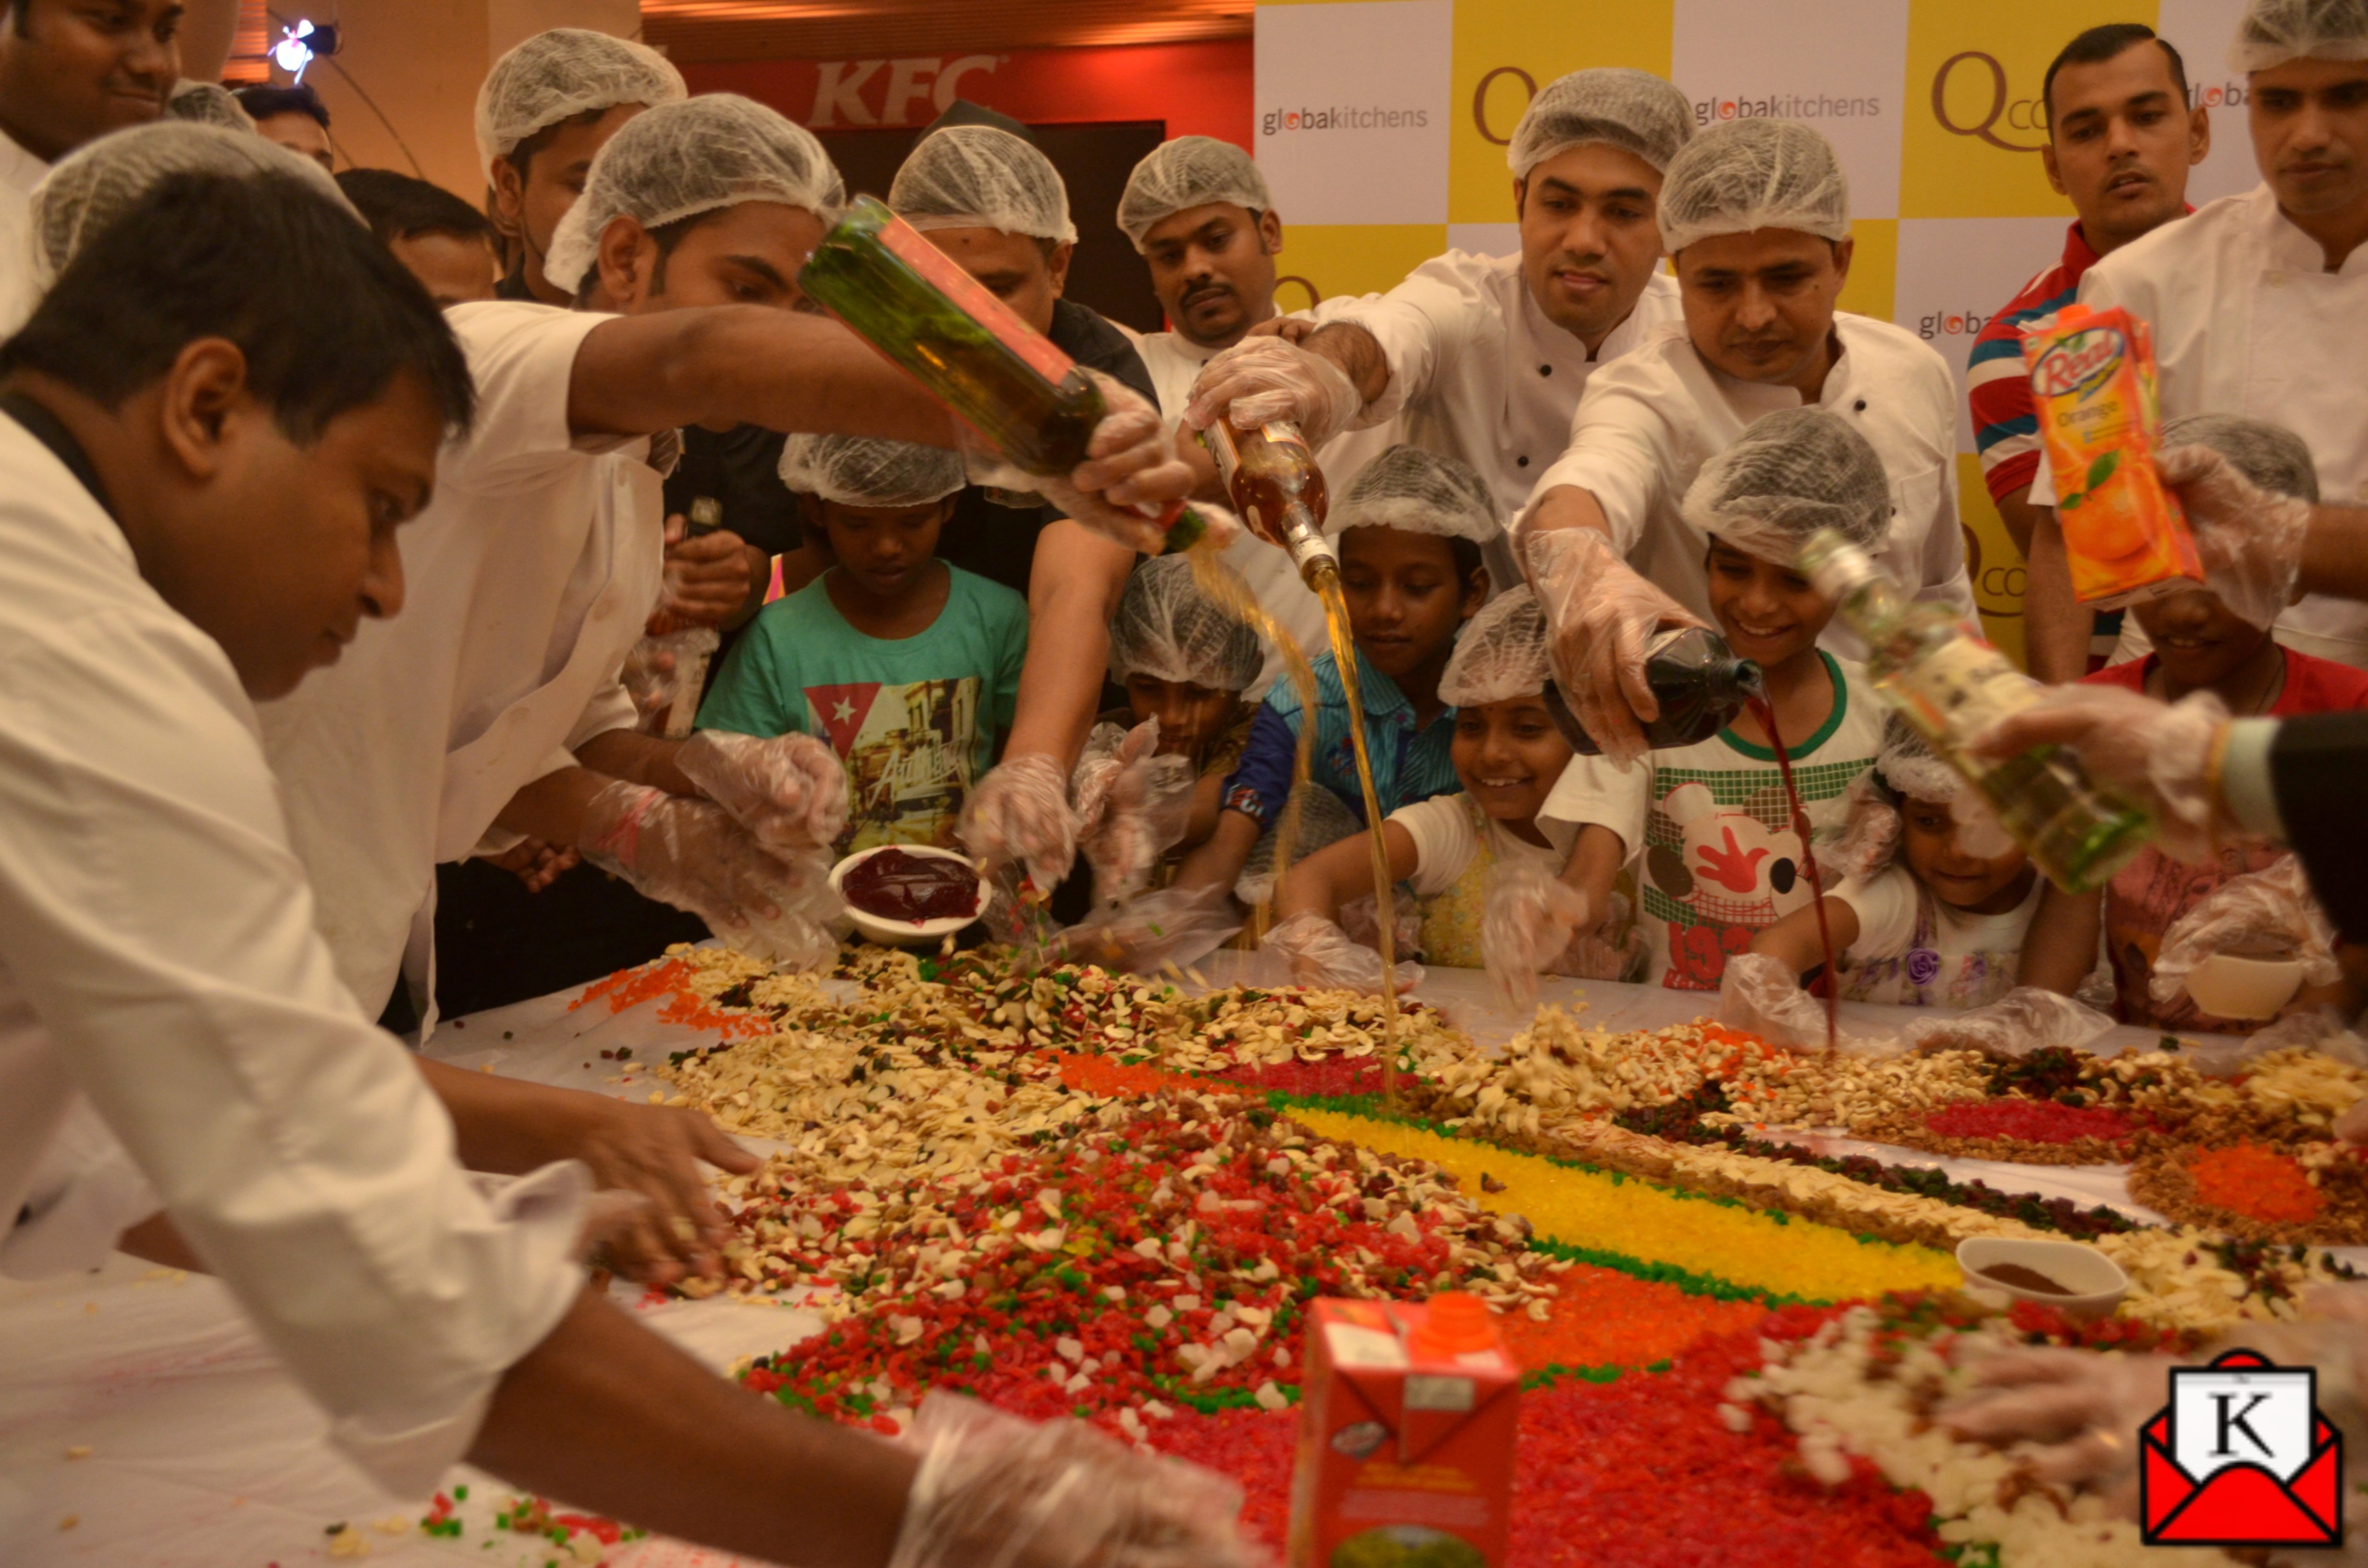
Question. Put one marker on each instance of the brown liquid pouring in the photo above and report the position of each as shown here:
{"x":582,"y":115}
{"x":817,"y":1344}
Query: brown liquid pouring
{"x":1344,"y":654}
{"x":1765,"y":711}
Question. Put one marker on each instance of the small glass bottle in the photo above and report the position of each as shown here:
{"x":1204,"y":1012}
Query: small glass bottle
{"x":1274,"y":483}
{"x":1951,"y":685}
{"x":1697,"y":679}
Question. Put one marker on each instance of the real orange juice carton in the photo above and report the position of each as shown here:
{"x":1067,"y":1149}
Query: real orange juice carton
{"x":1406,"y":1436}
{"x":2093,"y":378}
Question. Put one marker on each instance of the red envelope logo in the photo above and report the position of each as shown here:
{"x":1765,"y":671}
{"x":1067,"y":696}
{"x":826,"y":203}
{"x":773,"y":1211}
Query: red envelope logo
{"x":2240,"y":1503}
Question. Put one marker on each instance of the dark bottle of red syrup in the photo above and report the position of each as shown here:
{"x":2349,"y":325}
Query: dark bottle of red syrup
{"x":1700,"y":684}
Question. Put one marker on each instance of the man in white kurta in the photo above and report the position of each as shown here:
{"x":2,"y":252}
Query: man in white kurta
{"x":2260,"y":302}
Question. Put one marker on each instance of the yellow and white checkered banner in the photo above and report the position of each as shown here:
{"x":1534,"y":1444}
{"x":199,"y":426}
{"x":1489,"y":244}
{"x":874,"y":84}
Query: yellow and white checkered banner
{"x":1382,"y":125}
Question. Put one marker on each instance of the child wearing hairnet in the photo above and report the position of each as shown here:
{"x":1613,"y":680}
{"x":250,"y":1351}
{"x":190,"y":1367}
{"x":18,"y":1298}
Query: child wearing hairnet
{"x":1707,"y":827}
{"x":908,"y":666}
{"x":1448,"y":851}
{"x":1411,"y":528}
{"x":2147,"y":913}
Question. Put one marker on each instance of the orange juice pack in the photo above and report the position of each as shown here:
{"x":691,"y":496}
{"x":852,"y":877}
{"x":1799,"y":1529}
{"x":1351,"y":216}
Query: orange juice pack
{"x":1406,"y":1436}
{"x":2093,"y":378}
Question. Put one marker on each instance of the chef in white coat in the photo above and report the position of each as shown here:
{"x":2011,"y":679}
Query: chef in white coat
{"x":1483,"y":357}
{"x":199,"y":500}
{"x":2259,"y":302}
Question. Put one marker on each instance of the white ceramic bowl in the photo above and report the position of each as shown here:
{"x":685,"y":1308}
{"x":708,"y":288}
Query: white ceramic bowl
{"x":905,"y":933}
{"x":2095,"y":1283}
{"x":2235,"y":987}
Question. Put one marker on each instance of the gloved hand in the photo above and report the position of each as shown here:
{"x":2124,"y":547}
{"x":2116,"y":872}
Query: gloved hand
{"x":2023,"y":1020}
{"x":1132,"y":805}
{"x":2156,"y":754}
{"x":1601,"y":615}
{"x":2250,"y":538}
{"x":1132,"y":475}
{"x":1759,"y":994}
{"x":707,"y":579}
{"x":1263,"y":379}
{"x":1150,"y":935}
{"x":790,"y":790}
{"x":1019,"y":813}
{"x":994,"y":1491}
{"x":1322,"y":958}
{"x":1528,"y":922}
{"x":2272,"y":908}
{"x":2085,"y":1407}
{"x":691,"y":854}
{"x":648,"y":679}
{"x":1870,"y":836}
{"x":1615,"y":949}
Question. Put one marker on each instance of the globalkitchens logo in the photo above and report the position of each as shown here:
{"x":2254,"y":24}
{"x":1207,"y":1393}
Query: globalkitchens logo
{"x":2216,"y":95}
{"x":1343,"y":117}
{"x":1950,"y":324}
{"x":1721,"y":107}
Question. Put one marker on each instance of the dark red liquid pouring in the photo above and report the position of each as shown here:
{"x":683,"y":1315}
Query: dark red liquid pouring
{"x":1766,"y":713}
{"x":897,"y":885}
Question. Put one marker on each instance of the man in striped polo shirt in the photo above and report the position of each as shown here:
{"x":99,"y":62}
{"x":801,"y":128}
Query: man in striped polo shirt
{"x":2121,"y":139}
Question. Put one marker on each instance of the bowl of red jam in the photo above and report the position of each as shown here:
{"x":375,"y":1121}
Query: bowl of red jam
{"x":908,"y":894}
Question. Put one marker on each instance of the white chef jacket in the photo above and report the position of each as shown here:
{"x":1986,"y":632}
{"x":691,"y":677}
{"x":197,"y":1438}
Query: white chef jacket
{"x":2247,"y":319}
{"x":158,"y":963}
{"x":528,"y":579}
{"x":1650,"y":421}
{"x":19,"y":173}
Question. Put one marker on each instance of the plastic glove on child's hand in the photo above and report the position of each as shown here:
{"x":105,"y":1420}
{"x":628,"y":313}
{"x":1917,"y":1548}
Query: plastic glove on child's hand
{"x":1132,"y":805}
{"x":1322,"y":958}
{"x":2250,"y":538}
{"x":2263,"y":913}
{"x":2023,"y":1020}
{"x":1264,"y":379}
{"x":2157,"y":754}
{"x":1018,"y":814}
{"x":789,"y":790}
{"x":1760,"y":995}
{"x":2082,"y":1406}
{"x":1154,"y":934}
{"x":1602,"y":616}
{"x":1528,"y":922}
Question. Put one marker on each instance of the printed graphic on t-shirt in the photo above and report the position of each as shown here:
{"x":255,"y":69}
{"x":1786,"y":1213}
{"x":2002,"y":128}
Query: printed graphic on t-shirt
{"x":907,"y":750}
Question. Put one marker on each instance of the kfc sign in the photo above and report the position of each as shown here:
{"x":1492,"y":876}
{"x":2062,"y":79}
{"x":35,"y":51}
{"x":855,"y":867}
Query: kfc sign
{"x":890,"y":92}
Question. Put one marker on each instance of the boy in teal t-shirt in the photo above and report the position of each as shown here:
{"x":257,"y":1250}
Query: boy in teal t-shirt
{"x":909,"y":667}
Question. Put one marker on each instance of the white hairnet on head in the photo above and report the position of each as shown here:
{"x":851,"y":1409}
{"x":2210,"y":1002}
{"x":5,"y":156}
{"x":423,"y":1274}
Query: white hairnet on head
{"x":1501,"y":655}
{"x":2274,"y":32}
{"x":2270,"y":455}
{"x":1754,"y":174}
{"x":95,"y":185}
{"x":980,"y":176}
{"x":680,"y":160}
{"x":1907,"y":764}
{"x":1789,"y":475}
{"x":858,"y":471}
{"x":1420,"y":493}
{"x":1167,"y":629}
{"x":1192,"y":171}
{"x":1632,"y":110}
{"x":207,"y":103}
{"x":559,"y":74}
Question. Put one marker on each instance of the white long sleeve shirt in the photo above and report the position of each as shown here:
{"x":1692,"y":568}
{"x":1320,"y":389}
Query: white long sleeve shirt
{"x":1652,"y":418}
{"x":159,"y":965}
{"x":19,"y":173}
{"x":528,"y":579}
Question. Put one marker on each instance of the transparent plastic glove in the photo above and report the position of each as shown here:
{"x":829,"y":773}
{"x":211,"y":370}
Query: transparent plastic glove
{"x":691,"y":854}
{"x":1979,"y":832}
{"x":2265,"y":914}
{"x":1528,"y":922}
{"x":1322,"y":958}
{"x":1759,"y":994}
{"x":2250,"y":538}
{"x":1870,"y":836}
{"x":1018,"y":814}
{"x":1132,"y":476}
{"x":1601,"y":616}
{"x":789,"y":790}
{"x":2081,"y":1409}
{"x":1264,"y":379}
{"x":2157,"y":754}
{"x":994,"y":1491}
{"x":2023,"y":1020}
{"x":648,"y":679}
{"x":1133,"y":806}
{"x":1151,"y":934}
{"x":1615,"y":949}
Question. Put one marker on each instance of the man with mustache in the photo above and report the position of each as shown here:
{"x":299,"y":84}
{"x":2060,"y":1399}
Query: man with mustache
{"x":2120,"y":141}
{"x":2259,"y":302}
{"x":68,"y":73}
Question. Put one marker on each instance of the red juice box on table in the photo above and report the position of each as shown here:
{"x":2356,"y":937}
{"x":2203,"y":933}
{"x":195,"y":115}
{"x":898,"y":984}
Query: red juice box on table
{"x":2092,"y":380}
{"x":1406,"y":1436}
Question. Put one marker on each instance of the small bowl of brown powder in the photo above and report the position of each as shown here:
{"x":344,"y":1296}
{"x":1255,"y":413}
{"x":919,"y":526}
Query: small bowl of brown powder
{"x":2076,"y":1279}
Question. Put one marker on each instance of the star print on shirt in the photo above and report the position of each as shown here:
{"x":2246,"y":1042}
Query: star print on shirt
{"x":841,"y":710}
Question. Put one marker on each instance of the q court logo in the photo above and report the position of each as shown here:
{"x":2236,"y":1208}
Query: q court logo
{"x":2241,"y":1457}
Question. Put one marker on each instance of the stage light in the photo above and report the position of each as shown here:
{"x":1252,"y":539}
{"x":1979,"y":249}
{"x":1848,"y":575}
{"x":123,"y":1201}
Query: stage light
{"x":301,"y":45}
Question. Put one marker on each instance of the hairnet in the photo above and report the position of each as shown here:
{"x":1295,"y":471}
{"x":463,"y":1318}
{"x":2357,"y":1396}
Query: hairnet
{"x":680,"y":160}
{"x":1167,"y":629}
{"x":2270,"y":455}
{"x":1421,"y":493}
{"x":1632,"y":110}
{"x":976,"y":177}
{"x":1501,"y":655}
{"x":559,"y":74}
{"x":1789,"y":475}
{"x":1907,"y":764}
{"x":2274,"y":32}
{"x":858,"y":471}
{"x":1192,"y":171}
{"x":1754,"y":174}
{"x":95,"y":185}
{"x":208,"y":103}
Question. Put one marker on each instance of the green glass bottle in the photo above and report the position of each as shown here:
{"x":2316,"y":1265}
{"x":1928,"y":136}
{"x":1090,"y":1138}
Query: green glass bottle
{"x":916,"y":306}
{"x":1951,"y":685}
